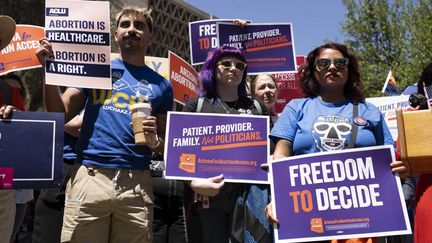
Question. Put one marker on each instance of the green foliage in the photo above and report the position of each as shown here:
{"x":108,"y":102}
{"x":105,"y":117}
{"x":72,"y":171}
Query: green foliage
{"x":389,"y":35}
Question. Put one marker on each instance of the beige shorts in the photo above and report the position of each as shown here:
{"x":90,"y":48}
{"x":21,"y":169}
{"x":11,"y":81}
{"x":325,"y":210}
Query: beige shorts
{"x":7,"y":214}
{"x":108,"y":205}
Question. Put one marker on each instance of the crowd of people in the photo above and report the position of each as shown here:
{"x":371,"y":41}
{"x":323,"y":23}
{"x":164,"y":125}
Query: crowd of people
{"x":112,"y":189}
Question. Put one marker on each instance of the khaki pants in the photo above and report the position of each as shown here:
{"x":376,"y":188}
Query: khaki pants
{"x":108,"y":205}
{"x":7,"y":214}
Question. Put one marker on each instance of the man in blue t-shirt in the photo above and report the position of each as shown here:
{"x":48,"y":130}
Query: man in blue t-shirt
{"x":109,"y":195}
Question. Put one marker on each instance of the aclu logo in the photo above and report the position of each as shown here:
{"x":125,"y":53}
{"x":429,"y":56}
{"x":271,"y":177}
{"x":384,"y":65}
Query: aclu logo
{"x":57,"y":12}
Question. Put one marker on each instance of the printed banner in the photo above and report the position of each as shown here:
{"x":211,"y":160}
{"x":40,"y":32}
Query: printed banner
{"x":268,"y":48}
{"x":387,"y":106}
{"x":289,"y":86}
{"x":203,"y":38}
{"x":80,"y":37}
{"x":158,"y":64}
{"x":20,"y":54}
{"x":338,"y":195}
{"x":215,"y":144}
{"x":183,"y":79}
{"x":31,"y":148}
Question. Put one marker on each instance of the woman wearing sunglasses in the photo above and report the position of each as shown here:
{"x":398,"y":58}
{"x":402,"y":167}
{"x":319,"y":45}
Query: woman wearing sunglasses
{"x":215,"y":212}
{"x":324,"y":120}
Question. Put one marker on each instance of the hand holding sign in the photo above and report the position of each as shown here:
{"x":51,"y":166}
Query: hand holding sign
{"x":44,"y":51}
{"x":208,"y":187}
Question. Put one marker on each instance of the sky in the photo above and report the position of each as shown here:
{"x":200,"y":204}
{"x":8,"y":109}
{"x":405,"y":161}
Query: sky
{"x":314,"y":21}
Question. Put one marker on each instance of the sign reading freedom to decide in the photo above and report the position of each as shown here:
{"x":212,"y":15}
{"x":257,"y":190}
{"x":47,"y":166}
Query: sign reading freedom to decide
{"x":338,"y":195}
{"x":202,"y":145}
{"x":31,"y":148}
{"x":203,"y":38}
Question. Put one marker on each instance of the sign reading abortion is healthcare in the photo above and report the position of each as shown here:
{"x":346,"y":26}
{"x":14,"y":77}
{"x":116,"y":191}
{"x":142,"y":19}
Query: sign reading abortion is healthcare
{"x":338,"y":195}
{"x":80,"y":37}
{"x":202,"y":145}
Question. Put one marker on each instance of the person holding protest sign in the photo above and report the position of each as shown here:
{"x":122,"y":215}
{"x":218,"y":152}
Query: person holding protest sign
{"x":22,"y":196}
{"x":109,"y":196}
{"x":333,"y":116}
{"x":7,"y":197}
{"x":219,"y":211}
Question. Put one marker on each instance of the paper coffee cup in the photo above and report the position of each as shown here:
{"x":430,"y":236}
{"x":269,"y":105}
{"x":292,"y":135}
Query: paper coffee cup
{"x":139,"y":112}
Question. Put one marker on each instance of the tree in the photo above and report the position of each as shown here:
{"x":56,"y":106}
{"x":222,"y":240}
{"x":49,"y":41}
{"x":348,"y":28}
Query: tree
{"x":389,"y":35}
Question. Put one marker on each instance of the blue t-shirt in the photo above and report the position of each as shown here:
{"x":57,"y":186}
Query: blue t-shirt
{"x":69,"y":147}
{"x":313,"y":125}
{"x":106,"y":138}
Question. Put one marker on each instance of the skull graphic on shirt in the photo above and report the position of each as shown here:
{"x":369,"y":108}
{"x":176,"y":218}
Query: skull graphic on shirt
{"x":331,"y":132}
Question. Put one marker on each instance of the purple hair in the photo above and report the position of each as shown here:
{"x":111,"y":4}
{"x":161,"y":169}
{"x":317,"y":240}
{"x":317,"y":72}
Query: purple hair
{"x":208,"y":72}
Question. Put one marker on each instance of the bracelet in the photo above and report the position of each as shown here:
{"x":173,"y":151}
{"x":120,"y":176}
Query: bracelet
{"x":157,"y":143}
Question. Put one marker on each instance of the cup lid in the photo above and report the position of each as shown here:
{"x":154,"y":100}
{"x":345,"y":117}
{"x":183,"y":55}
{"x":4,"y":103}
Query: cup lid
{"x":138,"y":106}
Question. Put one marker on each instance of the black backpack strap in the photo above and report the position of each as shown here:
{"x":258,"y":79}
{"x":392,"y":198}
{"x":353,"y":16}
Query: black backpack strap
{"x":200,"y":104}
{"x":354,"y":129}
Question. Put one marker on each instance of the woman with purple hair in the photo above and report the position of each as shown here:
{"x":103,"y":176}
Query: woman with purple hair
{"x":218,"y":211}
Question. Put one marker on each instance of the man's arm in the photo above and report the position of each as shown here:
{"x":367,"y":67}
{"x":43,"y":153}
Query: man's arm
{"x":73,"y":127}
{"x":71,"y":102}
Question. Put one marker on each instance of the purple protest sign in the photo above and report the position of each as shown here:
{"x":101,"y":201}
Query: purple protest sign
{"x":338,"y":195}
{"x":268,"y":48}
{"x":199,"y":145}
{"x":203,"y":39}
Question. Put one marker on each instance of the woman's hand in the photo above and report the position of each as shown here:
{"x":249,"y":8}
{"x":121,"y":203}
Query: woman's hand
{"x":240,"y":22}
{"x":399,"y":167}
{"x":6,"y":111}
{"x":208,"y":187}
{"x":269,"y":214}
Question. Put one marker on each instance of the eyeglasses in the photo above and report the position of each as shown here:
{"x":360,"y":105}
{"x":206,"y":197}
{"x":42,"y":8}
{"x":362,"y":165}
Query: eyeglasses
{"x":227,"y":64}
{"x":324,"y":63}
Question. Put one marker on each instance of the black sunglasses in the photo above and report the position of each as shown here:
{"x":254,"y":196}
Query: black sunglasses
{"x":324,"y":63}
{"x":227,"y":64}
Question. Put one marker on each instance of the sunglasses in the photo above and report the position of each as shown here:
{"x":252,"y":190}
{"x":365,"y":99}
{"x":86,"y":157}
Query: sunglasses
{"x":324,"y":63}
{"x":227,"y":64}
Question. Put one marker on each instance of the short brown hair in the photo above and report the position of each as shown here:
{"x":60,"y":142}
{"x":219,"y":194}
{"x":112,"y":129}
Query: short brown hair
{"x":136,"y":11}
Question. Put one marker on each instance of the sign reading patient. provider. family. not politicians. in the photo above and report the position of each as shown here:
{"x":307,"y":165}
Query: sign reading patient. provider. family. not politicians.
{"x":268,"y":48}
{"x":202,"y":145}
{"x":338,"y":195}
{"x":80,"y":37}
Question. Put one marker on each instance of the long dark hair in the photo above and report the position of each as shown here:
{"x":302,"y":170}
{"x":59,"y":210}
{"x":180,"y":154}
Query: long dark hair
{"x":353,"y":88}
{"x":425,"y":79}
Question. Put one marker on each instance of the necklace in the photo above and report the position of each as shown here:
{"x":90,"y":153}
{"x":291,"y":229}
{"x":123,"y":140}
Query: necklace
{"x":223,"y":104}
